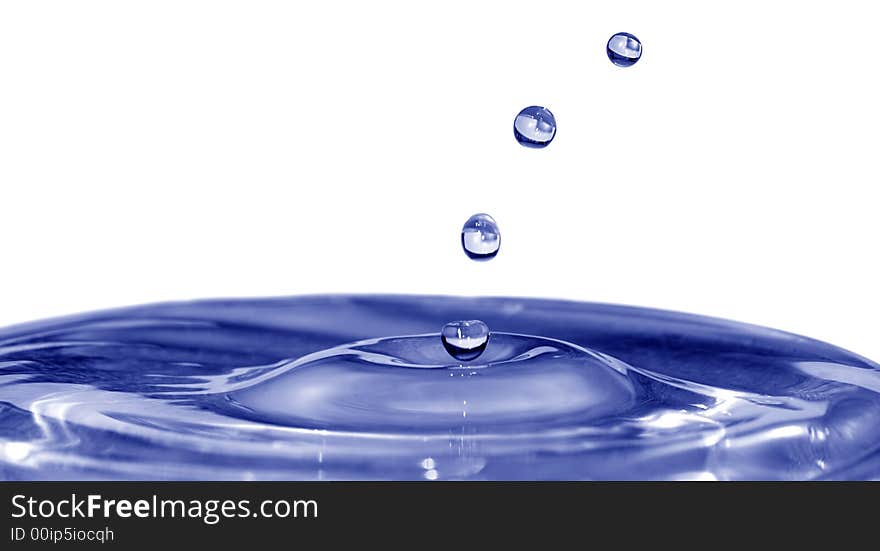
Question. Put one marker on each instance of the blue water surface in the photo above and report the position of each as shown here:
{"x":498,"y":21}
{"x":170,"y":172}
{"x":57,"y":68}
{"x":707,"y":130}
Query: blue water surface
{"x":361,"y":387}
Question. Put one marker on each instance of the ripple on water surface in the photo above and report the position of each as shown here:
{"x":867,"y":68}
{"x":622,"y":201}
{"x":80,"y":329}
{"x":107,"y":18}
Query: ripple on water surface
{"x":341,"y":387}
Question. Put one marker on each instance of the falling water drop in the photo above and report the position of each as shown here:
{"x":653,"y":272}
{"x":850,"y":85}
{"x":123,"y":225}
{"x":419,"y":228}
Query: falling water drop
{"x":624,"y":49}
{"x":465,"y":340}
{"x":534,"y":127}
{"x":480,"y":237}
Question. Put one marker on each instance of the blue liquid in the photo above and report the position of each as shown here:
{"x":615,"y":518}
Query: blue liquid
{"x":342,"y":387}
{"x":465,"y":340}
{"x":480,"y":237}
{"x":624,"y":49}
{"x":534,"y":127}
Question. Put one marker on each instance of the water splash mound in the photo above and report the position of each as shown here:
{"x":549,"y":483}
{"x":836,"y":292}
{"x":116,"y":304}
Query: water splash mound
{"x":359,"y":387}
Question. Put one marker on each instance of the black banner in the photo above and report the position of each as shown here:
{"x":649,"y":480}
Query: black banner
{"x":132,"y":515}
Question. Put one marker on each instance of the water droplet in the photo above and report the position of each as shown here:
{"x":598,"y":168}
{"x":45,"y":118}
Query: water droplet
{"x":624,"y":49}
{"x":465,"y":340}
{"x":480,"y":237}
{"x":534,"y":127}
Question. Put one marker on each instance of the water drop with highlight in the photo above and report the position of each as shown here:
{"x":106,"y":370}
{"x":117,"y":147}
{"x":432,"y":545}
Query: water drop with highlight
{"x":624,"y":49}
{"x":534,"y":127}
{"x":480,"y":237}
{"x":465,"y":340}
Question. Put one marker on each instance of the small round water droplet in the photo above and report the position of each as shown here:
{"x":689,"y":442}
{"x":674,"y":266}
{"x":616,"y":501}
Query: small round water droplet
{"x":624,"y":49}
{"x":534,"y":127}
{"x":480,"y":237}
{"x":465,"y":340}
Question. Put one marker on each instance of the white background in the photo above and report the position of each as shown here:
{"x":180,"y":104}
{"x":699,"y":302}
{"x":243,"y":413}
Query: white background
{"x":165,"y":150}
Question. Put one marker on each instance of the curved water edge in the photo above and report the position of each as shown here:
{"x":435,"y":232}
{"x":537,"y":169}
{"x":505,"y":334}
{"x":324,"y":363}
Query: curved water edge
{"x":360,"y":387}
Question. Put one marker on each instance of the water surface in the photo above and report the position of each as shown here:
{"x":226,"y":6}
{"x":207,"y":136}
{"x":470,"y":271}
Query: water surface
{"x":360,"y":387}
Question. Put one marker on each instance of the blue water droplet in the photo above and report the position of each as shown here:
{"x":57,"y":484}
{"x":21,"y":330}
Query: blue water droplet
{"x":480,"y":237}
{"x":534,"y":127}
{"x":465,"y":340}
{"x":624,"y":49}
